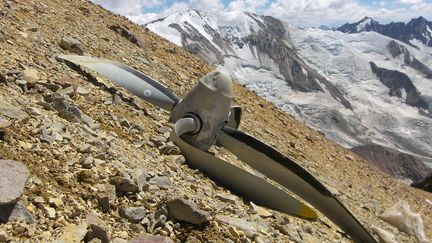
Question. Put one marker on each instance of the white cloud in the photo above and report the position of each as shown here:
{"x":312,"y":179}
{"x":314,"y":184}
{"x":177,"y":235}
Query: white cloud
{"x":130,"y":7}
{"x":410,"y":1}
{"x":336,"y":12}
{"x":247,"y":5}
{"x":300,"y":12}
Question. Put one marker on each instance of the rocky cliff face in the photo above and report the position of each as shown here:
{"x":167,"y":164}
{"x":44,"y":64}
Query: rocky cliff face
{"x":418,"y":31}
{"x":393,"y":162}
{"x":100,"y":166}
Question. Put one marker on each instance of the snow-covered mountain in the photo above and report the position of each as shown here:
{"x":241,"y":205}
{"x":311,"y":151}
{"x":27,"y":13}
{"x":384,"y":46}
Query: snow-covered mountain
{"x":417,"y":32}
{"x":359,"y":89}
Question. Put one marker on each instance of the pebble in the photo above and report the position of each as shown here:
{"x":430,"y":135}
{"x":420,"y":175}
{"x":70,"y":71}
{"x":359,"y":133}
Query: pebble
{"x":98,"y":229}
{"x":13,"y":176}
{"x":13,"y":212}
{"x":186,"y":210}
{"x":73,"y":233}
{"x":50,"y":212}
{"x":3,"y":236}
{"x":248,"y":228}
{"x":133,"y":214}
{"x":11,"y":111}
{"x":71,"y":44}
{"x":163,"y":182}
{"x":151,"y":239}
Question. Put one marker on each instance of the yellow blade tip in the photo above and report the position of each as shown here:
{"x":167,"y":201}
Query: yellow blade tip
{"x":307,"y":212}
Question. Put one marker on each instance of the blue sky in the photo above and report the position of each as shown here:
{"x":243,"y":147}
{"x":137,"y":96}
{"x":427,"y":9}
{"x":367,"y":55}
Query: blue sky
{"x":298,"y":12}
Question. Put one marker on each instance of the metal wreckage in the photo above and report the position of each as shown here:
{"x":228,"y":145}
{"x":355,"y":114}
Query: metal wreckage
{"x":204,"y":117}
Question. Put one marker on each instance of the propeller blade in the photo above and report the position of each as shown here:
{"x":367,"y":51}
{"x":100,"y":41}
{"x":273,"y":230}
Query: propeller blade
{"x":289,"y":174}
{"x":235,"y":117}
{"x":235,"y":179}
{"x":134,"y":81}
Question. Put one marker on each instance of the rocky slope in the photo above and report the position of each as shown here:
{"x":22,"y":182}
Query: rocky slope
{"x":99,"y":163}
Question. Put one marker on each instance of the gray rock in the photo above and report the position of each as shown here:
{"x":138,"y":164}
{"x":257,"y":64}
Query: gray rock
{"x":133,"y":214}
{"x":227,"y":198}
{"x":107,"y":198}
{"x":248,"y":228}
{"x":13,"y":176}
{"x":72,"y":45}
{"x":162,"y":182}
{"x":3,"y":236}
{"x":12,"y":212}
{"x":11,"y":111}
{"x":73,"y":233}
{"x":185,"y":210}
{"x":125,"y":184}
{"x":124,"y":122}
{"x":141,"y":178}
{"x":151,"y":239}
{"x":46,"y":136}
{"x":98,"y":229}
{"x":2,"y":77}
{"x":71,"y":112}
{"x":4,"y":122}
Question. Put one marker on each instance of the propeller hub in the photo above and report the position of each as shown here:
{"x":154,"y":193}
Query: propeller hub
{"x":209,"y":101}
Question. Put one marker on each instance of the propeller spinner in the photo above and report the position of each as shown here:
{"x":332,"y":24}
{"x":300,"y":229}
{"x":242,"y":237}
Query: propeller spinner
{"x":205,"y":117}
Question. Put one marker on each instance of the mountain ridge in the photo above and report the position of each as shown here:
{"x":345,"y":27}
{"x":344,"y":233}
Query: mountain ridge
{"x":416,"y":32}
{"x":252,"y":52}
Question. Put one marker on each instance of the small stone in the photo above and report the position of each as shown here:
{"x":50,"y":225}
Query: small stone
{"x":50,"y":212}
{"x":13,"y":176}
{"x":86,"y":176}
{"x":98,"y":229}
{"x":185,"y":210}
{"x":105,"y":200}
{"x":3,"y":236}
{"x":124,"y":122}
{"x":226,"y":198}
{"x":162,"y":182}
{"x":248,"y":228}
{"x":233,"y":231}
{"x":141,"y":178}
{"x":151,"y":239}
{"x":31,"y":76}
{"x":4,"y":123}
{"x":11,"y":111}
{"x":133,"y":214}
{"x":2,"y":77}
{"x":88,"y":162}
{"x":264,"y":212}
{"x":125,"y":184}
{"x":55,"y":202}
{"x":22,"y":84}
{"x":45,"y":136}
{"x":71,"y":44}
{"x":73,"y":233}
{"x":13,"y":212}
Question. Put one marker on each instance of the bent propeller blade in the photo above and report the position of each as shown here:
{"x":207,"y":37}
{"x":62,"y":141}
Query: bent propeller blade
{"x":134,"y":81}
{"x":235,"y":179}
{"x":289,"y":174}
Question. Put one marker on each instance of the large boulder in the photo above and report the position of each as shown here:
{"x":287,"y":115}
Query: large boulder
{"x":13,"y":176}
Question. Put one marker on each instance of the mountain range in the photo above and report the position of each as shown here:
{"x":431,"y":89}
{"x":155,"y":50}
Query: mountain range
{"x":360,"y":89}
{"x":417,"y":32}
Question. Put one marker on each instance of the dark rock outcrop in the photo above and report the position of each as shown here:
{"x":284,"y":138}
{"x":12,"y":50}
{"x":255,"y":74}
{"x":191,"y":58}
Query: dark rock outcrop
{"x":397,"y":82}
{"x":424,"y":184}
{"x":416,"y":28}
{"x":397,"y":50}
{"x":393,"y":162}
